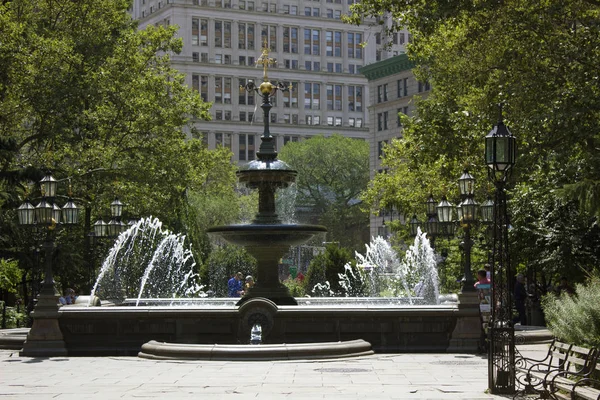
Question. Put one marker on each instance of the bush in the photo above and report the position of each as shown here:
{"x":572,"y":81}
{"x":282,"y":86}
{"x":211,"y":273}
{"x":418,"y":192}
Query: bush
{"x":575,"y":318}
{"x":295,"y":286}
{"x":326,"y":267}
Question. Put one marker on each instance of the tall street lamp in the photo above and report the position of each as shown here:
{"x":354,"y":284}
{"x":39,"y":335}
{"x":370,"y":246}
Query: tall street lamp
{"x":45,"y":337}
{"x":467,"y":216}
{"x":500,"y":156}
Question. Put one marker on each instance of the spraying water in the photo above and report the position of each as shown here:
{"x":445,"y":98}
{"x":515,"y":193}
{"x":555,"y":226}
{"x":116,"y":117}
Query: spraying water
{"x":148,"y":261}
{"x":420,"y":268}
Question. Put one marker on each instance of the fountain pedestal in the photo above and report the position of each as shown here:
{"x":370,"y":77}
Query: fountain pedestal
{"x":267,"y":239}
{"x":267,"y":243}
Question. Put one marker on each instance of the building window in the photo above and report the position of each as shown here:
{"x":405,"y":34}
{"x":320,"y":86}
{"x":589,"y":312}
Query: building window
{"x":196,"y":57}
{"x":330,"y":121}
{"x":401,"y":110}
{"x":382,"y":93}
{"x":290,"y":40}
{"x":222,"y":90}
{"x":290,"y":64}
{"x":273,"y":118}
{"x":294,"y":10}
{"x":338,"y":97}
{"x":338,"y":121}
{"x":246,"y":147}
{"x":195,"y":31}
{"x":424,"y":87}
{"x":200,"y":85}
{"x":290,"y":98}
{"x":287,"y":139}
{"x":382,"y":121}
{"x":223,"y":34}
{"x":355,"y":98}
{"x":246,"y":97}
{"x":359,"y":122}
{"x":269,"y":35}
{"x":312,"y":96}
{"x":380,"y":148}
{"x":355,"y":45}
{"x":223,"y":139}
{"x":312,"y":41}
{"x":245,"y":36}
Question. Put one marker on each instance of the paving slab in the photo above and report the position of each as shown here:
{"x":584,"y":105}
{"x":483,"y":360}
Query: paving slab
{"x":378,"y":376}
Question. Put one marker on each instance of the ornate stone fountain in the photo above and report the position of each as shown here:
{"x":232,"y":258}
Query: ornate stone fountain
{"x":267,"y":238}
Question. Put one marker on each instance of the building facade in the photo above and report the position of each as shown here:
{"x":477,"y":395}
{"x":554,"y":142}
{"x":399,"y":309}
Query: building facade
{"x":393,"y":89}
{"x":316,"y":53}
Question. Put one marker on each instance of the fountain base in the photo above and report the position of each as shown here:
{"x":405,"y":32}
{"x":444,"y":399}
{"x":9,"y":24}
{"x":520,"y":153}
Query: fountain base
{"x":245,"y":352}
{"x":279,"y":295}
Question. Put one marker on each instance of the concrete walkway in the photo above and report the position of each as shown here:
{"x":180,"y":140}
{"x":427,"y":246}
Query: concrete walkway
{"x":380,"y":376}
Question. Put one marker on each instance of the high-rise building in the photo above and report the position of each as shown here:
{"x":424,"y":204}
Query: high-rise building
{"x":316,"y":53}
{"x":393,"y":88}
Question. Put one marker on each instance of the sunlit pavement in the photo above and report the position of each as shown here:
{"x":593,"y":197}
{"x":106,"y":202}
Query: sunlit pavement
{"x":380,"y":376}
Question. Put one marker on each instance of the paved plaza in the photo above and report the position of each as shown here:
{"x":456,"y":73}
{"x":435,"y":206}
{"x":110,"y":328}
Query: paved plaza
{"x":379,"y":376}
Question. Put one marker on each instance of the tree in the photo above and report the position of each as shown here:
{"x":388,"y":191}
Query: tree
{"x":332,"y":172}
{"x":538,"y":59}
{"x":87,"y":95}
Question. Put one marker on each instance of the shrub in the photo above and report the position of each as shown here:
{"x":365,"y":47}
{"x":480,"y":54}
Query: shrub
{"x":326,"y":267}
{"x":575,"y":318}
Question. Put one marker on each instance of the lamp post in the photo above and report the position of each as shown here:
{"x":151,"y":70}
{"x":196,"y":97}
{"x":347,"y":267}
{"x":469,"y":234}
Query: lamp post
{"x":110,"y":230}
{"x":467,"y":216}
{"x":500,"y":155}
{"x":45,"y":337}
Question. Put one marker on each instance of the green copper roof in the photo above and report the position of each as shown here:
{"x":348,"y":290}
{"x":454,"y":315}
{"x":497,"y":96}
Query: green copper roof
{"x":388,"y":67}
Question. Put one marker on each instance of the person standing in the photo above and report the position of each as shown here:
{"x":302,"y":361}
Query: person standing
{"x":234,"y":285}
{"x":520,"y":297}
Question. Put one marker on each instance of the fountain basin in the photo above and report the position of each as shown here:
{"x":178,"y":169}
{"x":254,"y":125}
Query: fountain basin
{"x":292,"y":351}
{"x":122,"y":330}
{"x":267,"y":235}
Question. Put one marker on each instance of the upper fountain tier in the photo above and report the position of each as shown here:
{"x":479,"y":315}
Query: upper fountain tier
{"x":267,"y":239}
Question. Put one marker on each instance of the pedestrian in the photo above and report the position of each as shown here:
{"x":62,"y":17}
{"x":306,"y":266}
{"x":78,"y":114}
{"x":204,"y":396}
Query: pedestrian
{"x":249,"y":283}
{"x":234,"y":285}
{"x":520,"y":297}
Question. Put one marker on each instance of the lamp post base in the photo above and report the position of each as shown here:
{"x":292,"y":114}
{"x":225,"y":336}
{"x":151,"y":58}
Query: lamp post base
{"x":467,"y":333}
{"x":45,"y":338}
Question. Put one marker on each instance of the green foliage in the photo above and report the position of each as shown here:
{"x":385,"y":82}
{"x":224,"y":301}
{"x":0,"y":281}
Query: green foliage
{"x":87,"y":95}
{"x":326,"y":267}
{"x":295,"y":287}
{"x":13,"y":318}
{"x":10,"y":275}
{"x":539,"y":59}
{"x":332,"y":172}
{"x":575,"y":318}
{"x":222,"y":263}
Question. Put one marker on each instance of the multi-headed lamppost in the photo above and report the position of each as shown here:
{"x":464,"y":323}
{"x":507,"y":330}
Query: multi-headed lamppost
{"x":500,"y":155}
{"x":45,"y":337}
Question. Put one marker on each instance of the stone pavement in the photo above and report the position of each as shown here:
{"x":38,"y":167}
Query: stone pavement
{"x":379,"y":376}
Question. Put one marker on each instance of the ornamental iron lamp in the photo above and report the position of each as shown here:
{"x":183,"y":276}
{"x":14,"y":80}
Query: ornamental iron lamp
{"x":414,"y":225}
{"x":430,"y":206}
{"x":45,"y":337}
{"x":445,"y":210}
{"x":115,"y":226}
{"x":26,"y":213}
{"x":100,"y":229}
{"x":487,"y":210}
{"x":466,"y":184}
{"x":469,"y":208}
{"x":500,"y":156}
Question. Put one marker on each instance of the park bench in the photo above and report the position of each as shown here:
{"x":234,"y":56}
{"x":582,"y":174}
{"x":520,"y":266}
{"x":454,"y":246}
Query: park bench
{"x":549,"y":377}
{"x":584,"y":384}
